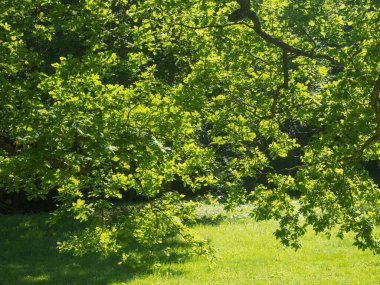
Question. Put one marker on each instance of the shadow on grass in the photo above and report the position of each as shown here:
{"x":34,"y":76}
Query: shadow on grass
{"x":28,"y":255}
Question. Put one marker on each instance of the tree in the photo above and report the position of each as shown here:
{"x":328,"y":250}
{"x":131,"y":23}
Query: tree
{"x":105,"y":97}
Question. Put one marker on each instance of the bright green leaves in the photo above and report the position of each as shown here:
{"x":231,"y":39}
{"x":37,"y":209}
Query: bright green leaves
{"x":141,"y":232}
{"x":81,"y":210}
{"x":281,"y":144}
{"x":268,"y":129}
{"x":93,"y":239}
{"x":111,"y":125}
{"x":106,"y":99}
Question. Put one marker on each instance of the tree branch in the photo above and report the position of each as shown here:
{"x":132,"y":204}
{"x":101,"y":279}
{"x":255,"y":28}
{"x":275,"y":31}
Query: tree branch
{"x":245,"y":11}
{"x":206,"y":27}
{"x":376,"y":109}
{"x":285,"y":67}
{"x":375,"y":105}
{"x":284,"y":85}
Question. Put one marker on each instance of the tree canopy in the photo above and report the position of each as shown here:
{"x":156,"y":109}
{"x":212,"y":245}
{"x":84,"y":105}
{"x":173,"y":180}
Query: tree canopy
{"x":252,"y":99}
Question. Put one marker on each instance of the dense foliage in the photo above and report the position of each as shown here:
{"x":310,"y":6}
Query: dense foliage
{"x":251,"y":100}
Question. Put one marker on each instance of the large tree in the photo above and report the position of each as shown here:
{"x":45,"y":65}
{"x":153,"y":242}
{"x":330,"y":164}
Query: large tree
{"x":255,"y":100}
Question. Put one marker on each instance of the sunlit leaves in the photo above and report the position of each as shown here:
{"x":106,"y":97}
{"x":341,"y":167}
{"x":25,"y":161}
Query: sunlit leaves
{"x":102,"y":99}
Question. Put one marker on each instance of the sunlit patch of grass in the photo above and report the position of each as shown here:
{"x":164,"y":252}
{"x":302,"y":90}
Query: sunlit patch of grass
{"x":39,"y":278}
{"x":249,"y":254}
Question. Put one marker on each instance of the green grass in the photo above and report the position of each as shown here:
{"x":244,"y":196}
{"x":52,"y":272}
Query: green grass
{"x":249,"y":255}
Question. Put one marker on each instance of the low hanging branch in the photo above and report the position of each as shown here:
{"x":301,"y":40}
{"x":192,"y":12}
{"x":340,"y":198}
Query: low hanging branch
{"x":246,"y":12}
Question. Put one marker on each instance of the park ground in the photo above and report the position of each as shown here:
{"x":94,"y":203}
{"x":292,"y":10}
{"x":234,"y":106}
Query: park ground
{"x":247,"y":253}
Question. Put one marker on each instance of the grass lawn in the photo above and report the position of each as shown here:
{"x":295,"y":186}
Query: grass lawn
{"x":249,"y":255}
